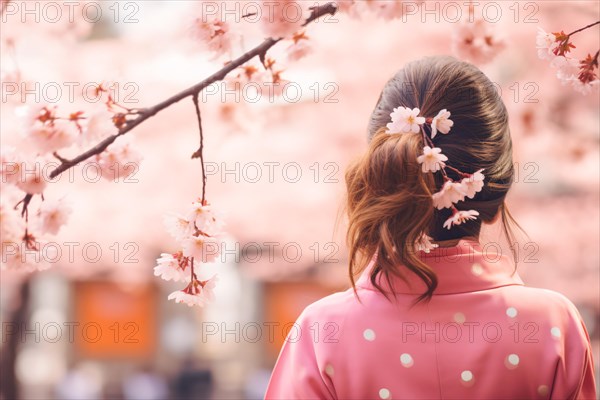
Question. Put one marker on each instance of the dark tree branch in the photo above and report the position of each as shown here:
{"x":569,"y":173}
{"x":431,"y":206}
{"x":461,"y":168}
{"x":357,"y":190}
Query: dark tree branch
{"x":584,"y":28}
{"x":144,"y":114}
{"x":259,"y":50}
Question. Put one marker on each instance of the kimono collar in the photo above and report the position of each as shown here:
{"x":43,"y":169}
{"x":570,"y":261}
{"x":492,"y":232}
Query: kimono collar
{"x":466,"y":267}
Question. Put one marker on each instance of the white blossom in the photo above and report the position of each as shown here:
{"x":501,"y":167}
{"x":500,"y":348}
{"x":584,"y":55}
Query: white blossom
{"x":459,"y":217}
{"x":405,"y":120}
{"x":119,"y":160}
{"x":168,"y":268}
{"x":425,"y":244}
{"x":432,"y":159}
{"x":451,"y":192}
{"x":52,"y":215}
{"x":441,"y":122}
{"x":473,"y":184}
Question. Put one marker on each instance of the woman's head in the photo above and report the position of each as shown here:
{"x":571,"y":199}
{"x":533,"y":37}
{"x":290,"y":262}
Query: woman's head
{"x":389,"y":197}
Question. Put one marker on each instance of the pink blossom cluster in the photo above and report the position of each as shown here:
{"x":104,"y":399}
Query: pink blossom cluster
{"x":199,"y":235}
{"x":279,"y":20}
{"x":269,"y":75}
{"x":405,"y":120}
{"x":579,"y":74}
{"x":27,"y":173}
{"x":477,"y":41}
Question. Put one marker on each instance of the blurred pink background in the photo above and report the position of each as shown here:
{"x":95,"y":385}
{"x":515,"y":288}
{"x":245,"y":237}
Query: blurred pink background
{"x":555,"y":198}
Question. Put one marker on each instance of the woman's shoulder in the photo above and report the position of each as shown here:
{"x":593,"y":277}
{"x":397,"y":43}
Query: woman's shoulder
{"x":335,"y":305}
{"x":550,"y":308}
{"x":542,"y":300}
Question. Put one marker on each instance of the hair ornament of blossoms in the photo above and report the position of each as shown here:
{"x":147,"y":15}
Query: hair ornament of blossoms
{"x":405,"y":120}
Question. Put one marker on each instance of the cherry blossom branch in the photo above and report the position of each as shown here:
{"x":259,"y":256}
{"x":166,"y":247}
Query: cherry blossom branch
{"x":144,"y":114}
{"x":584,"y":28}
{"x":200,"y":152}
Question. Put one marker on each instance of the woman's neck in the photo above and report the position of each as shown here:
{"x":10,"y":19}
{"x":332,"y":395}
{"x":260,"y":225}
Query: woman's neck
{"x":454,"y":242}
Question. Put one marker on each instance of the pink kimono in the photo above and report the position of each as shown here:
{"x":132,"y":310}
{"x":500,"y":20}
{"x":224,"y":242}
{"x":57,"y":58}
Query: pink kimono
{"x":484,"y":335}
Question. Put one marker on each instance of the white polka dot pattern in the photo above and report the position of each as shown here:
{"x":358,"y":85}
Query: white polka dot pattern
{"x":329,"y":370}
{"x":477,"y":269}
{"x":459,"y":318}
{"x":512,"y":361}
{"x":406,"y":360}
{"x":543,"y":390}
{"x":369,"y":335}
{"x":511,"y":312}
{"x":466,"y":376}
{"x":384,"y":393}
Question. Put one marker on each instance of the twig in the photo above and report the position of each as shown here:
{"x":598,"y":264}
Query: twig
{"x":584,"y":28}
{"x":200,"y":152}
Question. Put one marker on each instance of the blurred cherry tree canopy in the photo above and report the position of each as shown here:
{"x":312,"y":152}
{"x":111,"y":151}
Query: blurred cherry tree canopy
{"x":276,"y":148}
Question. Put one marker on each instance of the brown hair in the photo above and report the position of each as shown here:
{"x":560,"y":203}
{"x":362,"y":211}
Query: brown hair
{"x":389,"y":202}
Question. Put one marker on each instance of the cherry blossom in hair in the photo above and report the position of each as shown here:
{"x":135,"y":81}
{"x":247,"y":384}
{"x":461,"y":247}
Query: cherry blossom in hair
{"x":405,"y":120}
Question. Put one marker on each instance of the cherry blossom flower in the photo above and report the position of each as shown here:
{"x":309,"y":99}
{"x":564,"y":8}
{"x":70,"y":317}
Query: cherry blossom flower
{"x":32,"y":179}
{"x":545,"y":44}
{"x":584,"y":88}
{"x":441,"y":122}
{"x":197,"y":293}
{"x":31,"y":114}
{"x":99,"y":126}
{"x":183,"y":297}
{"x":476,"y":42}
{"x":179,"y":227}
{"x":452,"y":192}
{"x":587,"y":69}
{"x":205,"y":219}
{"x":169,"y":268}
{"x":579,"y":74}
{"x":405,"y":120}
{"x":473,"y":184}
{"x":214,"y":33}
{"x":281,"y":19}
{"x":119,"y":160}
{"x":586,"y":79}
{"x":276,"y":84}
{"x":208,"y":288}
{"x":53,"y":136}
{"x":563,"y":44}
{"x":299,"y":48}
{"x":459,"y":217}
{"x":245,"y":74}
{"x":432,"y":159}
{"x":96,"y":91}
{"x":425,"y":244}
{"x":202,"y":248}
{"x":52,"y":215}
{"x":567,"y":68}
{"x":26,"y":254}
